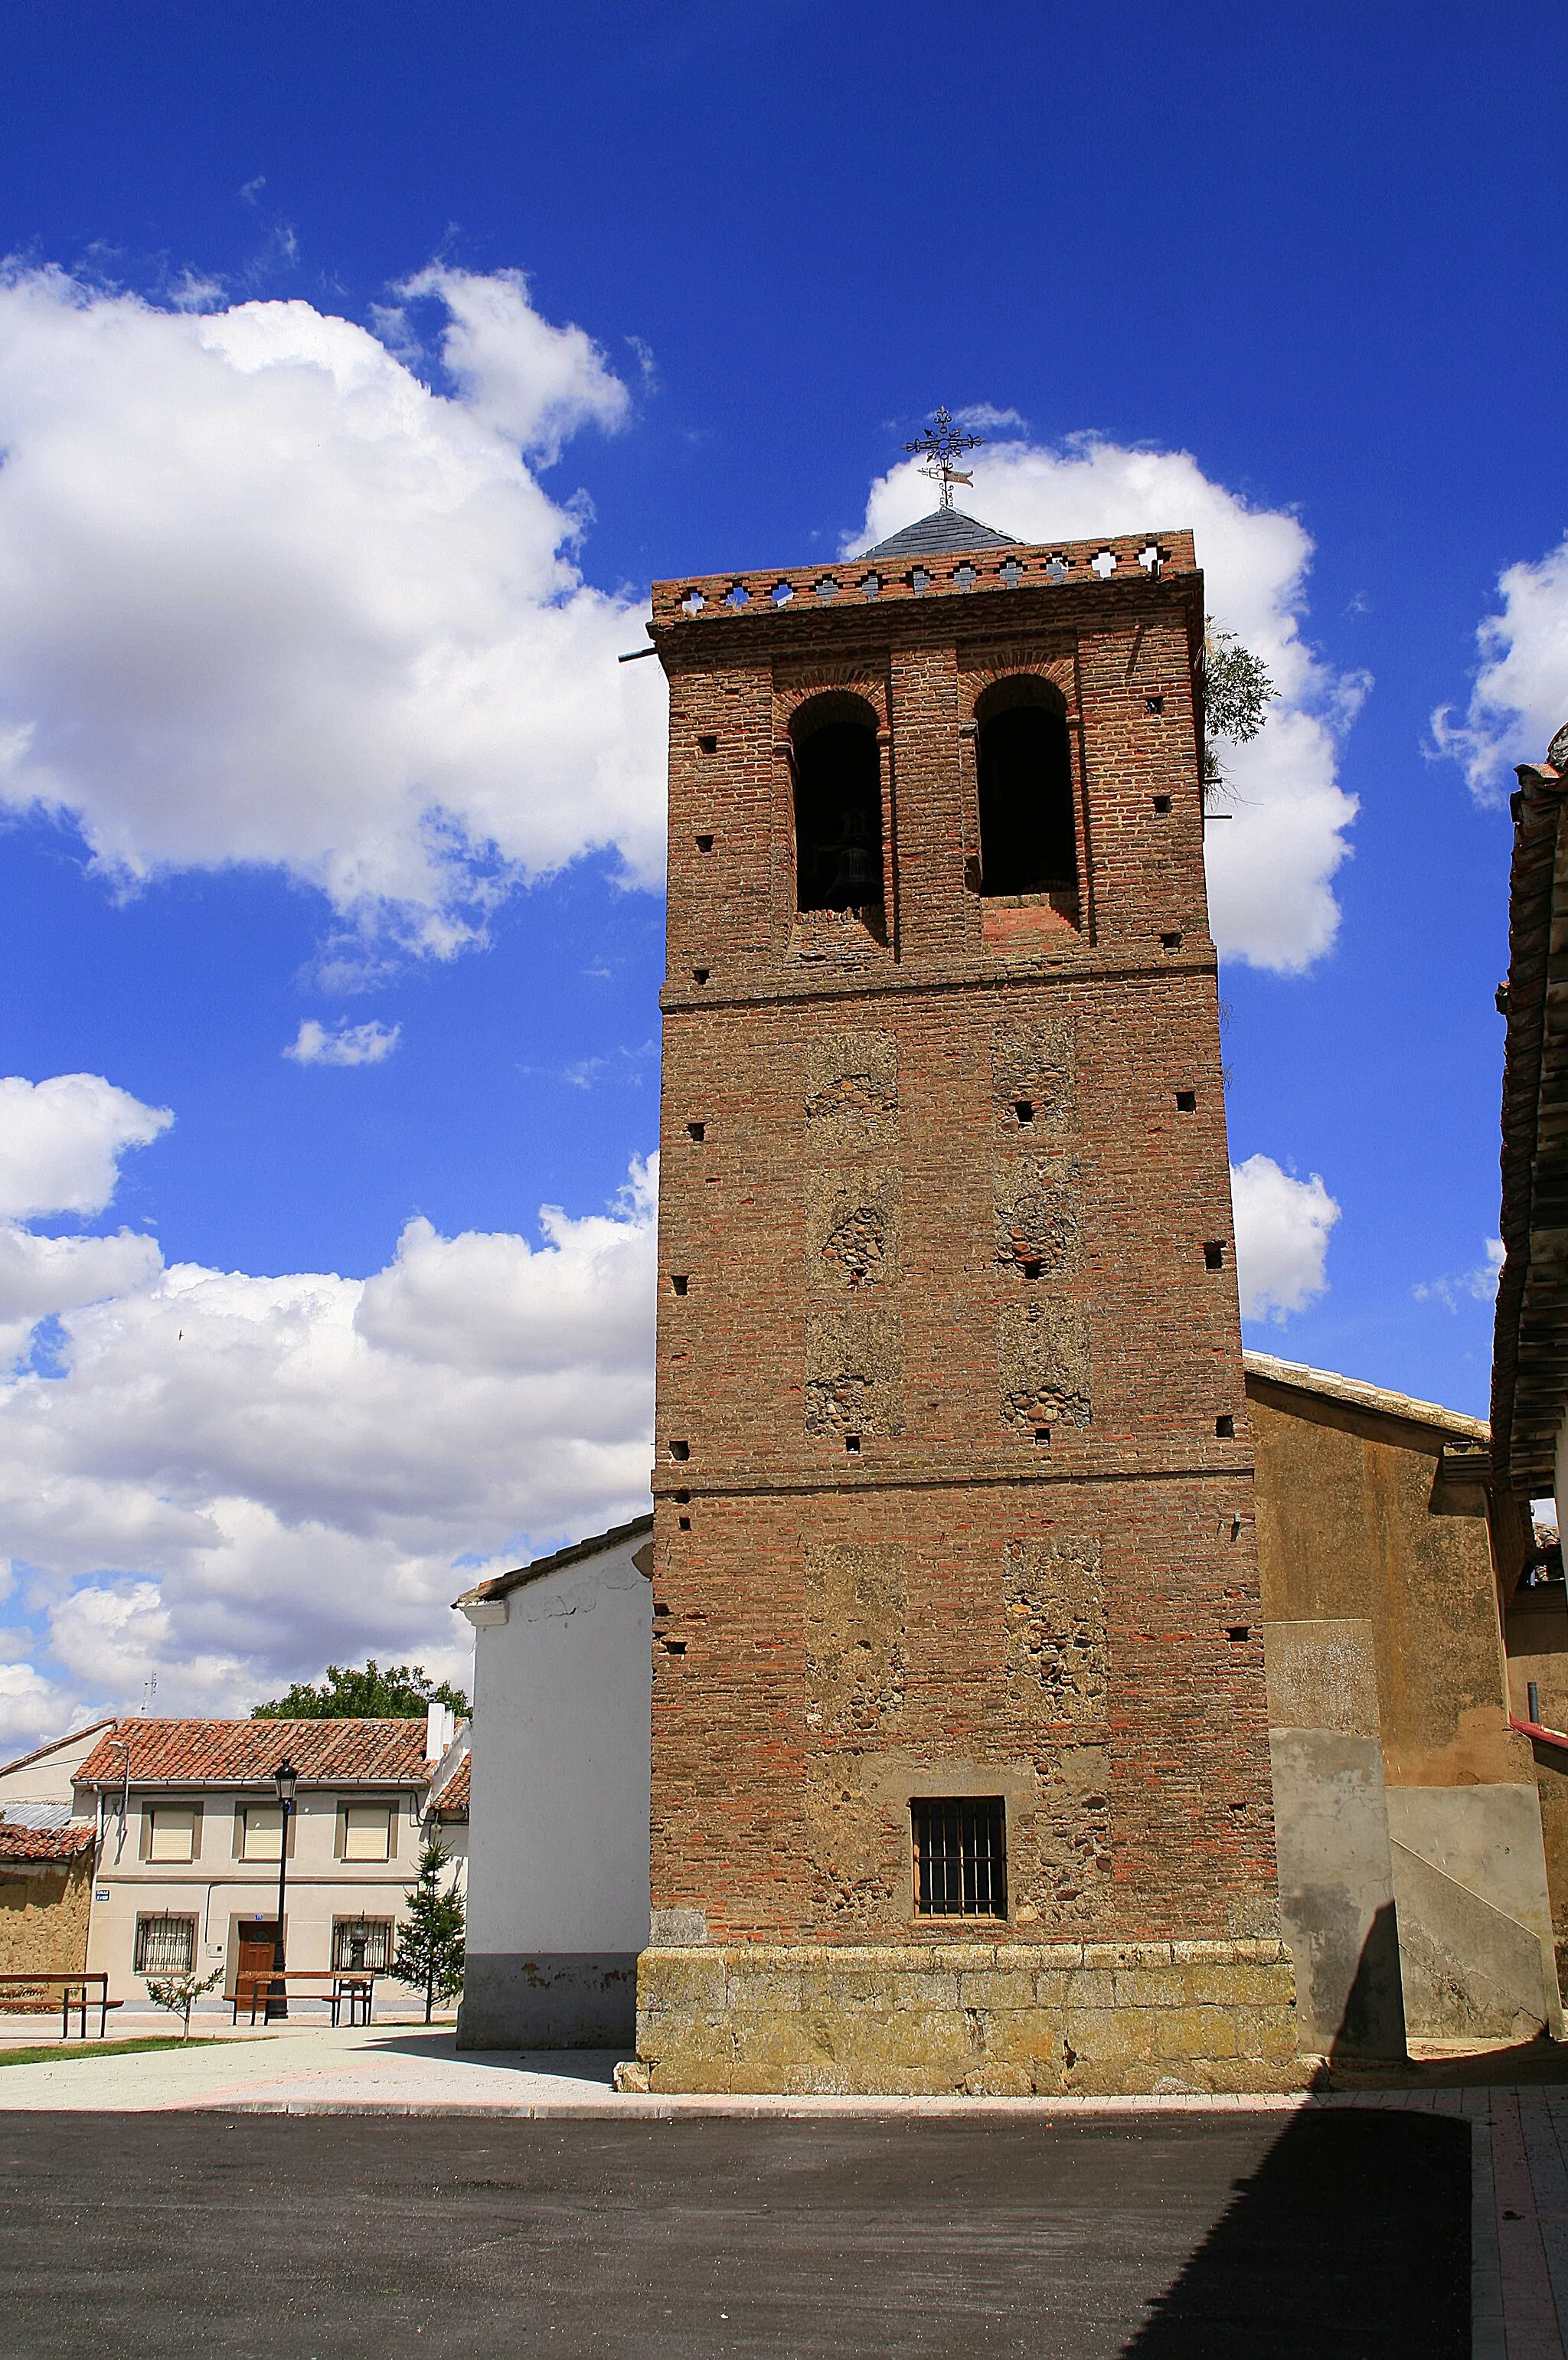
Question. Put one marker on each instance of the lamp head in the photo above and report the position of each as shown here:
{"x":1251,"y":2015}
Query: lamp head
{"x":286,"y":1778}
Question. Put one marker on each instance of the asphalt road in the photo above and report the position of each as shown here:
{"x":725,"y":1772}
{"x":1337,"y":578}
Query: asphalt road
{"x":1342,"y":2233}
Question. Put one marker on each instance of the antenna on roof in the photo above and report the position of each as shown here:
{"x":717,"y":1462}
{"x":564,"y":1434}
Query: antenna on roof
{"x":942,"y":443}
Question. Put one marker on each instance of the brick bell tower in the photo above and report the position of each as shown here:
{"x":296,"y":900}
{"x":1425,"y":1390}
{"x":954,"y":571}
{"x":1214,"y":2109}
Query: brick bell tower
{"x":960,"y":1756}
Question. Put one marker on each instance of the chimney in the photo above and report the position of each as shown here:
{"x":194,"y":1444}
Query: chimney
{"x":438,"y":1730}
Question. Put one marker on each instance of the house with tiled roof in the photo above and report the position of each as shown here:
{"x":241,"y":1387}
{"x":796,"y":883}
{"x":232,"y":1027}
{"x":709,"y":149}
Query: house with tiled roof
{"x":43,"y":1778}
{"x":189,"y":1834}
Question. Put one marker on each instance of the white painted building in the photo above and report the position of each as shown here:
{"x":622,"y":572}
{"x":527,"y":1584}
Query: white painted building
{"x":557,"y":1894}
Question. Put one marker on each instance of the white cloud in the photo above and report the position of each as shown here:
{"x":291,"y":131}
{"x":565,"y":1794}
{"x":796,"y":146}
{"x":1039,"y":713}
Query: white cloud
{"x":1271,"y":864}
{"x":983,"y":416}
{"x":1477,"y":1286}
{"x":40,"y":1276}
{"x":1519,"y":700}
{"x":62,"y":1141}
{"x":1281,"y":1237}
{"x":234,"y":1480}
{"x":343,"y":1045}
{"x":534,"y":384}
{"x":266,"y":597}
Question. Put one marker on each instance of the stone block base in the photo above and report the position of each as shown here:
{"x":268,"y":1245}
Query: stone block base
{"x":980,"y":2020}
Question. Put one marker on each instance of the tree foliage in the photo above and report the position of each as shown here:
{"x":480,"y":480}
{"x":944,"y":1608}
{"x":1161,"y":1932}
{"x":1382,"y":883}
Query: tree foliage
{"x":401,"y":1692}
{"x":431,"y":1938}
{"x":180,"y":1993}
{"x":1237,"y":692}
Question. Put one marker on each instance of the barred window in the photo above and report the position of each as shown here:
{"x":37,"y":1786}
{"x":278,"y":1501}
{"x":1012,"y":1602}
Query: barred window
{"x":362,"y":1942}
{"x":165,"y":1945}
{"x":961,"y":1857}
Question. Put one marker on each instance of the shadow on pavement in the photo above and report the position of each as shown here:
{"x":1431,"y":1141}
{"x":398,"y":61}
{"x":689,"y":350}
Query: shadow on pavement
{"x":1352,"y":2238}
{"x":594,"y":2065}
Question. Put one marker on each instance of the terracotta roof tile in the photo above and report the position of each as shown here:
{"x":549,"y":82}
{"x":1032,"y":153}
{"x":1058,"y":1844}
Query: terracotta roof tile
{"x":246,"y":1753}
{"x":452,"y":1803}
{"x":44,"y":1843}
{"x":1266,"y":1369}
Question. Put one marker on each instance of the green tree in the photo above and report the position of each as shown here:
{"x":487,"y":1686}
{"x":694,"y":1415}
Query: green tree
{"x":401,"y":1692}
{"x":431,"y":1941}
{"x":1237,"y":693}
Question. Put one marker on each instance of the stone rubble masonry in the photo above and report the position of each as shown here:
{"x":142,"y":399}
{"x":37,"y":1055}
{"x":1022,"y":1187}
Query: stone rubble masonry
{"x":953,"y":1481}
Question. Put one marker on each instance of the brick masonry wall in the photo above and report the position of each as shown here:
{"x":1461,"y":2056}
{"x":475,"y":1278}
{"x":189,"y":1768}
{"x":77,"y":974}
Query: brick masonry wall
{"x":946,"y":1500}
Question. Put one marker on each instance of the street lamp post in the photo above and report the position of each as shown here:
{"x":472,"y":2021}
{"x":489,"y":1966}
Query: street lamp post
{"x":285,"y":1778}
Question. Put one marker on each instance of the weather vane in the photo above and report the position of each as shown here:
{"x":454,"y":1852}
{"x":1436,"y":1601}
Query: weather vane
{"x":942,"y":443}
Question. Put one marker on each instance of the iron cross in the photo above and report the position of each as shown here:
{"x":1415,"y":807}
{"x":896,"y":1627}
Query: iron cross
{"x":942,"y":443}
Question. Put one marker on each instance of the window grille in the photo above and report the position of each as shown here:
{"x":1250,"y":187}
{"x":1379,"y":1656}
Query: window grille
{"x":165,"y":1945}
{"x":961,"y":1857}
{"x":362,"y":1942}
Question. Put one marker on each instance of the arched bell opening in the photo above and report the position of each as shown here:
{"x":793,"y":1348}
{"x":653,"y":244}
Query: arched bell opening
{"x":838,"y":806}
{"x":1028,"y":841}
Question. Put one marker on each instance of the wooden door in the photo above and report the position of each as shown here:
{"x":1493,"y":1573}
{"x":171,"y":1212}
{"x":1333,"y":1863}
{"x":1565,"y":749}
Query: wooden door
{"x":258,"y":1949}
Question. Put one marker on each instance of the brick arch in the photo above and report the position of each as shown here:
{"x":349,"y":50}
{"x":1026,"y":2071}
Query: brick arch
{"x":1006,"y":689}
{"x":1035,"y":679}
{"x":811,"y":710}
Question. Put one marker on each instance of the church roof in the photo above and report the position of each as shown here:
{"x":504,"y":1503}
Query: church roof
{"x":935,"y":535}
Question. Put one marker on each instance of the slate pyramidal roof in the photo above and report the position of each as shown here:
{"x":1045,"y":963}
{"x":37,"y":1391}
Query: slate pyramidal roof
{"x":945,"y":532}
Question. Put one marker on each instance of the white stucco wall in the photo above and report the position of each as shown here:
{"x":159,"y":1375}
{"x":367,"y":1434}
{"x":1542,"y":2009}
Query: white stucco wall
{"x":559,"y":1814}
{"x":49,"y":1779}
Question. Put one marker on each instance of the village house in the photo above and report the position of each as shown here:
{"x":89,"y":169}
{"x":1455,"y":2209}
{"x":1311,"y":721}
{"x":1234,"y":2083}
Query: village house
{"x":188,"y":1830}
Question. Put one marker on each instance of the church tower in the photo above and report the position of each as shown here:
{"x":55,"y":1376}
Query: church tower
{"x":960,"y":1756}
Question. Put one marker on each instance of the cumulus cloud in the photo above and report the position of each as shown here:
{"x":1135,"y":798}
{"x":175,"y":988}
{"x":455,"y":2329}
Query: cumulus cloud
{"x":62,"y":1141}
{"x":343,"y":1045}
{"x":1283,"y":1229}
{"x":231,"y":1480}
{"x":1519,"y":699}
{"x":266,"y":597}
{"x":1477,"y":1286}
{"x":534,"y":384}
{"x":1271,"y":864}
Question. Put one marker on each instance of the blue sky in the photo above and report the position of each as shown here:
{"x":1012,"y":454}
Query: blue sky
{"x":579,"y":298}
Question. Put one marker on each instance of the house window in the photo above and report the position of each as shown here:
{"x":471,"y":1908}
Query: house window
{"x":165,"y":1945}
{"x":961,"y":1857}
{"x":838,"y":806}
{"x":1027,"y":837}
{"x":171,"y":1831}
{"x":367,"y":1831}
{"x":362,"y":1942}
{"x":261,"y":1832}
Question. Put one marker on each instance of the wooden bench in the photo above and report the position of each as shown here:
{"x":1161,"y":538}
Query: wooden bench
{"x":73,"y":1993}
{"x":356,"y":1984}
